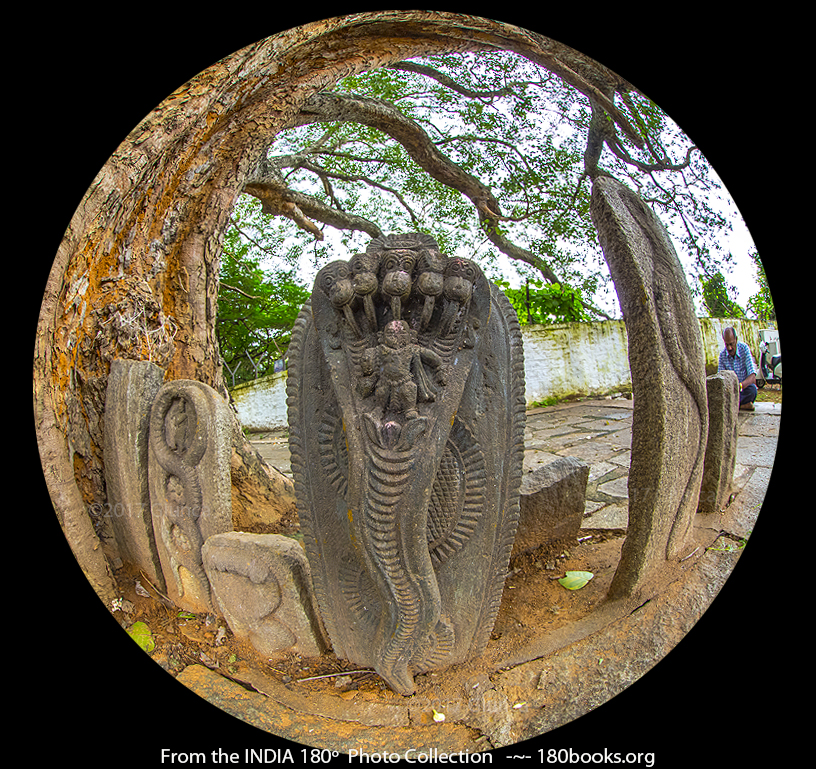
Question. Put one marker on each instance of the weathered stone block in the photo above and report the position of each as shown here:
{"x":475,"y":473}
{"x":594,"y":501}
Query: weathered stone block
{"x":263,"y":586}
{"x":670,"y":414}
{"x":190,"y":490}
{"x":721,"y":447}
{"x":551,"y":504}
{"x":406,"y":414}
{"x":132,"y":388}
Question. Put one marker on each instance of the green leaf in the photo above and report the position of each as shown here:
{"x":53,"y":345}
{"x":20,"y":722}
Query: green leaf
{"x":575,"y":580}
{"x":140,"y":633}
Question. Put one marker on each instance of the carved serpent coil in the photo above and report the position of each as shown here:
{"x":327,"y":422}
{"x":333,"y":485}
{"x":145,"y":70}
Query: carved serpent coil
{"x":178,"y":446}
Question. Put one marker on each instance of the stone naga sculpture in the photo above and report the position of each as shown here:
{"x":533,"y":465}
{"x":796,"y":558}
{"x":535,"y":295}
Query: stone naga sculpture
{"x":406,"y":413}
{"x":190,"y":490}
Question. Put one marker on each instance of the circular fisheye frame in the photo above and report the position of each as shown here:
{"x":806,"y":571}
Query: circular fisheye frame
{"x":407,"y":386}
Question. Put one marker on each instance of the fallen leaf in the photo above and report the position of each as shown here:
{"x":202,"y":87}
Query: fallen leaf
{"x":575,"y":580}
{"x":140,"y":633}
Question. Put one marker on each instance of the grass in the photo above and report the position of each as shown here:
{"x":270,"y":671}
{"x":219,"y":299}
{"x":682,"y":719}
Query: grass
{"x":769,"y":394}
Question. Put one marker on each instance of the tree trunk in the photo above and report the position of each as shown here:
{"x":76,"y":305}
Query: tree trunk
{"x":136,"y":275}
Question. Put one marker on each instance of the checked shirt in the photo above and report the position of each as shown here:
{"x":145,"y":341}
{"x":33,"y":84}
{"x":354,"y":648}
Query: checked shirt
{"x":742,"y":364}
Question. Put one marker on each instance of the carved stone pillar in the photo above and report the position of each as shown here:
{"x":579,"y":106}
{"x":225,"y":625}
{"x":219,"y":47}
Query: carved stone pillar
{"x":190,"y":490}
{"x":132,"y":387}
{"x":406,"y":414}
{"x":721,"y":446}
{"x":670,"y":415}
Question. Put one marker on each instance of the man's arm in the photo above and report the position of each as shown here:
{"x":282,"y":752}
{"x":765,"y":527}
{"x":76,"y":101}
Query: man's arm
{"x":749,"y":380}
{"x":749,"y":367}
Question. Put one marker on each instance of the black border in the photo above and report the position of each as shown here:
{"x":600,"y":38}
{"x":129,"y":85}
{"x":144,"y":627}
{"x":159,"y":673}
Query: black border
{"x":86,"y":78}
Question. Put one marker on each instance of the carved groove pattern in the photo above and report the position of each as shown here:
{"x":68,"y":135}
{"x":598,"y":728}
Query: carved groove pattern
{"x":179,"y":446}
{"x":360,"y":593}
{"x":388,"y":474}
{"x":457,"y":497}
{"x":333,"y":451}
{"x":508,"y":526}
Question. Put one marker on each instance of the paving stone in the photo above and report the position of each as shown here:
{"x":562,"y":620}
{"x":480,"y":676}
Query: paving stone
{"x":756,"y":451}
{"x":617,"y":488}
{"x":590,"y":451}
{"x":615,"y":516}
{"x":765,"y":425}
{"x":600,"y":469}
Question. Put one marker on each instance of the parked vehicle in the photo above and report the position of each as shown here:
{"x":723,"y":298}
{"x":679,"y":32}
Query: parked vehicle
{"x":770,"y":358}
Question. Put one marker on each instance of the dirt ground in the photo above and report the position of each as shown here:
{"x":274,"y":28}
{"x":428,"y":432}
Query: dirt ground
{"x":534,"y":602}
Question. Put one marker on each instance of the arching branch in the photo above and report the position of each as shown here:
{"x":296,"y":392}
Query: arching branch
{"x":375,"y":113}
{"x":279,"y":199}
{"x":448,"y":82}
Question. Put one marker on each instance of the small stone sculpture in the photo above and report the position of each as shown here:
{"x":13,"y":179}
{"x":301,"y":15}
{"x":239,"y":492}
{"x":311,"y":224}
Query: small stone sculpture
{"x":261,"y":585}
{"x":406,"y":412}
{"x":132,"y":387}
{"x":190,"y":490}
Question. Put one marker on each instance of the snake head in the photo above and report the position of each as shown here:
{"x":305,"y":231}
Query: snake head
{"x":335,"y":281}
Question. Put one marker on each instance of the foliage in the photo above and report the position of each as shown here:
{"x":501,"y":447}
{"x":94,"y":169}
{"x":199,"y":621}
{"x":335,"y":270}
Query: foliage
{"x":522,"y":132}
{"x":257,"y":307}
{"x":539,"y":303}
{"x":761,"y":303}
{"x":716,"y":298}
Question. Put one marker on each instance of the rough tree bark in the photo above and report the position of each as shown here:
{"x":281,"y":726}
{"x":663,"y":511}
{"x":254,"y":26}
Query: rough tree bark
{"x":136,"y":275}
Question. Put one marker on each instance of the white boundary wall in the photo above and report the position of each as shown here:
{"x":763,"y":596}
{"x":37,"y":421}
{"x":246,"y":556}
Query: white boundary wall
{"x":568,"y":359}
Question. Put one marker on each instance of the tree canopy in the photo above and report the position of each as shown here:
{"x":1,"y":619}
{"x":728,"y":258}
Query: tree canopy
{"x":717,"y":300}
{"x":493,"y":155}
{"x":256,"y":307}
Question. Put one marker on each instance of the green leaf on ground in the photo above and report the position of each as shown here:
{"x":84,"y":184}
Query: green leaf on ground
{"x":574,"y":580}
{"x":140,"y":633}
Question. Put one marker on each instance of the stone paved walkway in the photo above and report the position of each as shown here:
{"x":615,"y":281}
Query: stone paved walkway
{"x":600,"y":433}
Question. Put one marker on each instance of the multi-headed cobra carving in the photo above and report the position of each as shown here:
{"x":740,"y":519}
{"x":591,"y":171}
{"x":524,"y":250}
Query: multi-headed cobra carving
{"x":406,"y":410}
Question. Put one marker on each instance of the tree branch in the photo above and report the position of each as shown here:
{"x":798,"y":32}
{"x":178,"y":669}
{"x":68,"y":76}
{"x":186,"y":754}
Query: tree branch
{"x":239,"y":290}
{"x":280,"y":200}
{"x":375,"y":113}
{"x":448,"y":82}
{"x":324,"y":174}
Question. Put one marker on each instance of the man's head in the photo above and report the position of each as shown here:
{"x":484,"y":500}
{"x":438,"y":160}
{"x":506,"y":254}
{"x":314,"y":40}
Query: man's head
{"x":730,"y":338}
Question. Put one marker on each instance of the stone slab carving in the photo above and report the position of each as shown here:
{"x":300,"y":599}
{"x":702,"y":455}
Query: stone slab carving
{"x":190,"y":490}
{"x":670,"y":415}
{"x":406,"y":413}
{"x":721,"y":447}
{"x":132,"y":387}
{"x":263,"y":588}
{"x":552,"y":501}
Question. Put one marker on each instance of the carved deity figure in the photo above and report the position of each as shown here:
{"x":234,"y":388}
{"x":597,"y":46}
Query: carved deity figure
{"x":395,"y":370}
{"x":406,"y":412}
